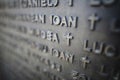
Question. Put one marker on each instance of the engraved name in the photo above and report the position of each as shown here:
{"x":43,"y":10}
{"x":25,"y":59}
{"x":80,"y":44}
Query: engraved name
{"x":63,"y":55}
{"x":39,"y":3}
{"x":102,"y":2}
{"x":100,"y":48}
{"x":70,"y":21}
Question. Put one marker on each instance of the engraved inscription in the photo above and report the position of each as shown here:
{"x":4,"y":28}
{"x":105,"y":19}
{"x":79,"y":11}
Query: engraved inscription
{"x":35,"y":18}
{"x":38,"y":18}
{"x":95,"y":2}
{"x":70,"y":2}
{"x":99,"y":48}
{"x":77,"y":76}
{"x":74,"y":75}
{"x":48,"y":62}
{"x":68,"y":37}
{"x":52,"y":76}
{"x":85,"y":61}
{"x":44,"y":41}
{"x":39,"y":3}
{"x":102,"y":71}
{"x":36,"y":45}
{"x":115,"y":25}
{"x":108,"y":2}
{"x":48,"y":35}
{"x":63,"y":55}
{"x":93,"y":19}
{"x":101,"y":2}
{"x":110,"y":51}
{"x":64,"y":21}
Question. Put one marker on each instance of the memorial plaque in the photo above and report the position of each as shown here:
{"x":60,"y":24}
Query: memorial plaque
{"x":59,"y":40}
